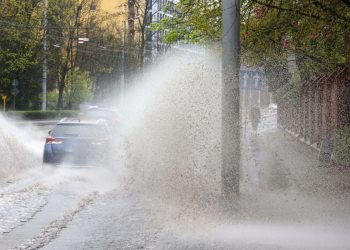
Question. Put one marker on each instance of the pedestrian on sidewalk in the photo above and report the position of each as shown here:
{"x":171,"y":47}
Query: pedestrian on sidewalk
{"x":255,"y":116}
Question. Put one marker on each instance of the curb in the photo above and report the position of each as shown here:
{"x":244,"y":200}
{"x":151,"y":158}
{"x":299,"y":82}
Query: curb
{"x":300,"y":139}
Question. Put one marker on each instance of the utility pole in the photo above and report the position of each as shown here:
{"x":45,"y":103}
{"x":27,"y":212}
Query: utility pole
{"x":131,"y":19}
{"x":122,"y":80}
{"x":44,"y":90}
{"x":231,"y":122}
{"x":149,"y":41}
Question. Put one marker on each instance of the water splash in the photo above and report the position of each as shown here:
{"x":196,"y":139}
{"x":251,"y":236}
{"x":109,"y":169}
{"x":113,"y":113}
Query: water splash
{"x":172,"y":130}
{"x":20,"y":147}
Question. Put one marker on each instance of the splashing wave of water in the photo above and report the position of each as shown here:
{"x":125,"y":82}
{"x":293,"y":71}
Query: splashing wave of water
{"x":20,"y":148}
{"x":172,"y":126}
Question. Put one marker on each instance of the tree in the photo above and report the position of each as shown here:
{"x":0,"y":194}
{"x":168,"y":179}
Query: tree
{"x":196,"y":22}
{"x":64,"y":21}
{"x":69,"y":20}
{"x":315,"y":32}
{"x":78,"y":89}
{"x":19,"y":47}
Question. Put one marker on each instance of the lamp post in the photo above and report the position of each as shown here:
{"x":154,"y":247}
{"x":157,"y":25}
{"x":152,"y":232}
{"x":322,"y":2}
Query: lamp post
{"x":122,"y":80}
{"x":149,"y":46}
{"x":44,"y":79}
{"x":231,"y":122}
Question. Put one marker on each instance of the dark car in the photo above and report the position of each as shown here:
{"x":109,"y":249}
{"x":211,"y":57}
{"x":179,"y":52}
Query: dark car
{"x":77,"y":143}
{"x":112,"y":117}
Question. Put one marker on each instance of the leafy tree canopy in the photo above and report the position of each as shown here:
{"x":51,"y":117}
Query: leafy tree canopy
{"x":314,"y":32}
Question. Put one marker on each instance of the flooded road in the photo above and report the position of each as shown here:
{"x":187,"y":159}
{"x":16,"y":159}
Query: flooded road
{"x":163,"y":191}
{"x":286,"y":202}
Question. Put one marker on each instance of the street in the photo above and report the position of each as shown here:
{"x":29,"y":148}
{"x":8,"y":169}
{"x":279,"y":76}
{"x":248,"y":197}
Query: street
{"x":175,"y":124}
{"x":287,"y":201}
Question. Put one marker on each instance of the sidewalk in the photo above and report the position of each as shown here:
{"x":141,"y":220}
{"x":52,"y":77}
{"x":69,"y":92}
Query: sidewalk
{"x":287,"y":201}
{"x":287,"y":173}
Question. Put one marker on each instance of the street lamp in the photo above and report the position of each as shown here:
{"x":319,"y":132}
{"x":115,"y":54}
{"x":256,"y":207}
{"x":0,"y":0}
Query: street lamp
{"x":122,"y":80}
{"x":44,"y":80}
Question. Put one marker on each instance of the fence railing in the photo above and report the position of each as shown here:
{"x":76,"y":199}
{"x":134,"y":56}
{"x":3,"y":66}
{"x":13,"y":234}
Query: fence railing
{"x":322,"y":108}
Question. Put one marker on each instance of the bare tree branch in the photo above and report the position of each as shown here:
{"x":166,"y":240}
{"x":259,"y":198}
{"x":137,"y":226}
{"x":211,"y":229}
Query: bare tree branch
{"x":289,"y":10}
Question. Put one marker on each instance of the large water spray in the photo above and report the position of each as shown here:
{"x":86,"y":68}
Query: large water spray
{"x":172,"y":128}
{"x":20,"y":147}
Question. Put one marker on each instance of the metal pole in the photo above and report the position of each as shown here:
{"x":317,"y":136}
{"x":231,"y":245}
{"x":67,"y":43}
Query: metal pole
{"x":245,"y":94}
{"x":148,"y":57}
{"x":250,"y":94}
{"x":122,"y":80}
{"x":231,"y":122}
{"x":43,"y":105}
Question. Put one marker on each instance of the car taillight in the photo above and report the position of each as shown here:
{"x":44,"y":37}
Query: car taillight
{"x":52,"y":140}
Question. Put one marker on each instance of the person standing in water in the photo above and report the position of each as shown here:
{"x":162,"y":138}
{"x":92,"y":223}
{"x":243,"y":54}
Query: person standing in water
{"x":255,"y":117}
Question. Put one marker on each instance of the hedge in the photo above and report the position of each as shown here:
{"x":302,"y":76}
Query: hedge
{"x":42,"y":115}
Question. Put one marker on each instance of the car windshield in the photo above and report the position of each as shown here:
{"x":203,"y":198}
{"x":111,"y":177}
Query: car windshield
{"x":79,"y":130}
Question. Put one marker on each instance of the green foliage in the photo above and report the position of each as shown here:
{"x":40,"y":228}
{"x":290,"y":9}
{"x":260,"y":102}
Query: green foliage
{"x":21,"y":51}
{"x":197,"y":22}
{"x":19,"y":46}
{"x":312,"y":31}
{"x":78,"y":89}
{"x":341,"y":151}
{"x":277,"y":74}
{"x":289,"y":93}
{"x":51,"y":98}
{"x":316,"y":33}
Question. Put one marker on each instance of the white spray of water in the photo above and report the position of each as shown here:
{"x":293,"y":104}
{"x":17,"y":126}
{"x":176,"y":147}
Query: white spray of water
{"x":172,"y":131}
{"x":21,"y":148}
{"x":171,"y":126}
{"x":261,"y":236}
{"x":82,"y":180}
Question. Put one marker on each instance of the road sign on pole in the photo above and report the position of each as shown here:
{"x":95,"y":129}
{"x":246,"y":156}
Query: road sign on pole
{"x":15,"y":82}
{"x":81,"y":40}
{"x":14,"y":91}
{"x":4,"y":97}
{"x":251,"y":79}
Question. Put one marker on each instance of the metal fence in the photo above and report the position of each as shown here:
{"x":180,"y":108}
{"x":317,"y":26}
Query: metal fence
{"x":323,"y":107}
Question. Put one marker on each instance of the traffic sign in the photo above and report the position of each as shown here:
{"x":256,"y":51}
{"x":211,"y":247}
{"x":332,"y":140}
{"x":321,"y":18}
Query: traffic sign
{"x":4,"y":97}
{"x":14,"y":82}
{"x":81,"y":40}
{"x":251,"y":79}
{"x":14,"y":91}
